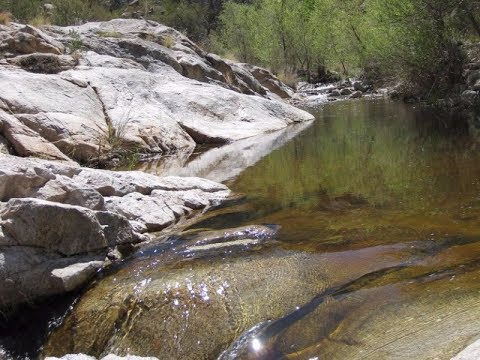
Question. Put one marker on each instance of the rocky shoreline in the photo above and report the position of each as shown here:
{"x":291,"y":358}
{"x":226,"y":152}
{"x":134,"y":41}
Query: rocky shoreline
{"x":88,"y":93}
{"x":61,"y":223}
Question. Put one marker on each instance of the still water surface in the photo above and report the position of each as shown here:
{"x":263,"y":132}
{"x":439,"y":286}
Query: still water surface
{"x":377,"y":256}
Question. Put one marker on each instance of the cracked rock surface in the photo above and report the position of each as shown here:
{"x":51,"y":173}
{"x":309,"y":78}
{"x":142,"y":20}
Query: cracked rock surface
{"x":58,"y":221}
{"x":83,"y":91}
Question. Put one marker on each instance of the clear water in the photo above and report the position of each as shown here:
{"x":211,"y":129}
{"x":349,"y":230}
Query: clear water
{"x":377,"y":257}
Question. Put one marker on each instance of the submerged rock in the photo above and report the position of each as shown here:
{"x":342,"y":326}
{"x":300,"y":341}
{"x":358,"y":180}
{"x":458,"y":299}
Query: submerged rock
{"x":108,"y":357}
{"x":273,"y":303}
{"x":194,"y":307}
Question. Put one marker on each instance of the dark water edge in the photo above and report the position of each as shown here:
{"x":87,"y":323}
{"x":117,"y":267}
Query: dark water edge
{"x":23,"y":334}
{"x":366,"y":173}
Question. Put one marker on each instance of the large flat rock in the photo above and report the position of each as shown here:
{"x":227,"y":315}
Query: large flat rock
{"x":132,"y":85}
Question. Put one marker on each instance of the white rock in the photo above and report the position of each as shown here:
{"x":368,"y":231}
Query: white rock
{"x":72,"y":357}
{"x":154,"y":213}
{"x":26,"y":141}
{"x":471,"y":352}
{"x":55,"y":227}
{"x":136,"y":88}
{"x":75,"y":275}
{"x":128,"y":357}
{"x":60,"y":111}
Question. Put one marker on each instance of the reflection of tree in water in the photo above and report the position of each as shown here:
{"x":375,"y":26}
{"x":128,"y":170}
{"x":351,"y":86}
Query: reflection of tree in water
{"x":391,"y":155}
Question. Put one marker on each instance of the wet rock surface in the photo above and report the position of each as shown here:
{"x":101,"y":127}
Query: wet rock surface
{"x":157,"y":305}
{"x":108,"y":357}
{"x":313,"y":95}
{"x":206,"y":288}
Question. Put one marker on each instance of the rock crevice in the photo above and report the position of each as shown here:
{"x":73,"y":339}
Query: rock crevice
{"x":129,"y":84}
{"x":60,"y":223}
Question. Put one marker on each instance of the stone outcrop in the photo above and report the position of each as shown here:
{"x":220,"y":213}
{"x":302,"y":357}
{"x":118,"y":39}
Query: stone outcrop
{"x":60,"y":223}
{"x":313,"y":95}
{"x":89,"y":91}
{"x":269,"y":81}
{"x":17,"y":39}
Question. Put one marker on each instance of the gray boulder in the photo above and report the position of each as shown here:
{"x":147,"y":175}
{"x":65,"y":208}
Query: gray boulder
{"x":60,"y":228}
{"x":356,"y":95}
{"x":67,"y":116}
{"x":20,"y":39}
{"x":59,"y":222}
{"x":470,"y":97}
{"x":346,"y":91}
{"x":75,"y":275}
{"x":359,"y":86}
{"x":476,"y":86}
{"x":25,"y":141}
{"x":335,"y":93}
{"x":269,"y":81}
{"x":29,"y":273}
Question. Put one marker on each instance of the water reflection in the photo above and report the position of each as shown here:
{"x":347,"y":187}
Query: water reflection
{"x":367,"y":169}
{"x":376,"y":256}
{"x":225,"y":162}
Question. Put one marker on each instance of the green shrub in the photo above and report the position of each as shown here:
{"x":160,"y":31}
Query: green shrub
{"x":75,"y":44}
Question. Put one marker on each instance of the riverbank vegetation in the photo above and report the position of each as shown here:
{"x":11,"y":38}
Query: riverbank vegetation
{"x":418,"y":43}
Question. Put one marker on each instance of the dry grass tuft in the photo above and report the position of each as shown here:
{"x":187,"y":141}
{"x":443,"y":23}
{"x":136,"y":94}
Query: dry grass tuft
{"x":40,"y":20}
{"x":5,"y":17}
{"x":168,"y":41}
{"x":289,"y":78}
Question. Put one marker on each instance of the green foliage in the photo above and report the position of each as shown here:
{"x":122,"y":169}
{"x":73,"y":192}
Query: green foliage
{"x":22,"y":9}
{"x":77,"y":11}
{"x":75,"y":44}
{"x":413,"y":42}
{"x":185,"y":16}
{"x":291,"y":35}
{"x":67,"y":12}
{"x":410,"y":41}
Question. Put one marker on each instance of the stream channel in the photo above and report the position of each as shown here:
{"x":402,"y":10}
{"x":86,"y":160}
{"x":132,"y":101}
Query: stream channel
{"x":370,"y":249}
